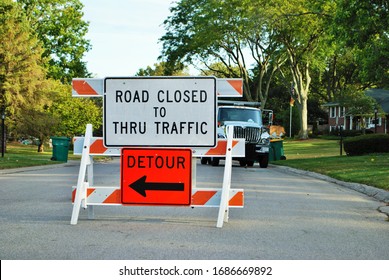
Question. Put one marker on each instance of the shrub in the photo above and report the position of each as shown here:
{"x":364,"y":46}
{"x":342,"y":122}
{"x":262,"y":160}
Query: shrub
{"x":346,"y":133}
{"x":367,"y":144}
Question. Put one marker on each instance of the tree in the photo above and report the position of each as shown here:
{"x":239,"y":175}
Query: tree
{"x":38,"y":124}
{"x":364,"y":26}
{"x":73,"y":113}
{"x":360,"y":104}
{"x":218,"y":69}
{"x":300,"y":26}
{"x":161,"y":69}
{"x":235,"y":33}
{"x":21,"y":71}
{"x":60,"y":115}
{"x":36,"y":106}
{"x":61,"y":29}
{"x":359,"y":31}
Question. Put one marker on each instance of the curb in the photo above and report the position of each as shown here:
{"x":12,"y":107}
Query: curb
{"x":39,"y":167}
{"x":378,"y":194}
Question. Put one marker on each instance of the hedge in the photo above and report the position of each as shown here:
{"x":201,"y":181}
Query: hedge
{"x":366,"y":144}
{"x":346,"y":133}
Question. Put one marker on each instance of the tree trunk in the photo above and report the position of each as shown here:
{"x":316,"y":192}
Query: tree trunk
{"x":302,"y":80}
{"x":40,"y":146}
{"x":303,"y":133}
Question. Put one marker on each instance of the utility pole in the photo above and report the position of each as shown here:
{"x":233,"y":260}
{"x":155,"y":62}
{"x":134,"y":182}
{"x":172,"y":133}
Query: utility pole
{"x":291,"y":108}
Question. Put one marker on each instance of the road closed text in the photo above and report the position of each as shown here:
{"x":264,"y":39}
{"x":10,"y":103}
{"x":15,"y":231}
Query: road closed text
{"x":163,"y":96}
{"x":160,"y":112}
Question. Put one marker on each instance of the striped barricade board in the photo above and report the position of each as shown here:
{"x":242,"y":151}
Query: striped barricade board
{"x":92,"y":87}
{"x":201,"y":197}
{"x":97,"y":148}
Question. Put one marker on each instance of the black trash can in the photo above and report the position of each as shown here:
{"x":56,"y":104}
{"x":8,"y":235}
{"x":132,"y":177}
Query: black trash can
{"x":60,"y":148}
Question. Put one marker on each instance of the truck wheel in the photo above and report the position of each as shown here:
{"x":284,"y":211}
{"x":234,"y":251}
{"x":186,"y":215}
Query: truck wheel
{"x":264,"y":161}
{"x":242,"y":163}
{"x":250,"y":163}
{"x":204,"y":160}
{"x":215,"y":162}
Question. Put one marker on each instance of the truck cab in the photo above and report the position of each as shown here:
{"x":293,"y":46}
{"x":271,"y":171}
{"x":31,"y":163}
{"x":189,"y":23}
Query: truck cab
{"x":248,"y":124}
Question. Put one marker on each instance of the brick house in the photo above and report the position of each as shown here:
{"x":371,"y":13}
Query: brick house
{"x":339,"y":116}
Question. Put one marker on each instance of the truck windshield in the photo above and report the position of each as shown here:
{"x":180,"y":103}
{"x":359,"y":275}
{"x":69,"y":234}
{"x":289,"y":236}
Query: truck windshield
{"x":240,"y":115}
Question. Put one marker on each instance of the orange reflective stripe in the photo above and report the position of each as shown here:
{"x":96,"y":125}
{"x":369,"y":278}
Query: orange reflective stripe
{"x":237,"y":85}
{"x":97,"y":147}
{"x":236,"y":200}
{"x":89,"y":191}
{"x":221,"y":147}
{"x":83,"y":88}
{"x":202,"y":197}
{"x":115,"y":197}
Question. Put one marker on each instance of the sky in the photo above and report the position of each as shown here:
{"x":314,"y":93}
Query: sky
{"x":124,"y":35}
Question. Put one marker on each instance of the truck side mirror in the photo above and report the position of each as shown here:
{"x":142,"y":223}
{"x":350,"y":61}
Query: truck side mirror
{"x":270,"y":118}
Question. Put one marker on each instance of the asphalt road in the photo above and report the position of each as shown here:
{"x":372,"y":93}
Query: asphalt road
{"x":287,"y":216}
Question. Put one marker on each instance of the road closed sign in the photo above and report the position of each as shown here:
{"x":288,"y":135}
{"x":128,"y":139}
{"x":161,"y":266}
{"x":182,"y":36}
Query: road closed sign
{"x":160,"y":112}
{"x":156,"y":176}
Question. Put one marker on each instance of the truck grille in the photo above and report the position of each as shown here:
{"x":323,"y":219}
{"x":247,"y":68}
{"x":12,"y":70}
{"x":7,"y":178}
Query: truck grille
{"x":251,"y":134}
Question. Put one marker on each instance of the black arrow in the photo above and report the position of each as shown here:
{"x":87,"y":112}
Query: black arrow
{"x":141,"y":186}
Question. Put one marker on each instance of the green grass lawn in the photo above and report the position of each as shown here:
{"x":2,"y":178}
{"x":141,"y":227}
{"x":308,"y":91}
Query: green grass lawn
{"x":323,"y":156}
{"x":19,"y":155}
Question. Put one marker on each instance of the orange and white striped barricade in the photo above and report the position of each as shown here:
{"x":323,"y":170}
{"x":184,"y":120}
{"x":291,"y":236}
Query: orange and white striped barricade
{"x":91,"y":87}
{"x":101,"y":195}
{"x":201,"y":197}
{"x":87,"y":195}
{"x":87,"y":87}
{"x":97,"y":148}
{"x":229,"y":87}
{"x":238,"y":149}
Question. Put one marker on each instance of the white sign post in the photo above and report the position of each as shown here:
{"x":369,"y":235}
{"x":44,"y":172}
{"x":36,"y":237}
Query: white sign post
{"x":160,"y":111}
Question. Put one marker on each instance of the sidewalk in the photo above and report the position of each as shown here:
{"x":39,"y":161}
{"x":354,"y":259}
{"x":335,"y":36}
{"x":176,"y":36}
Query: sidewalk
{"x":379,"y":194}
{"x":39,"y":167}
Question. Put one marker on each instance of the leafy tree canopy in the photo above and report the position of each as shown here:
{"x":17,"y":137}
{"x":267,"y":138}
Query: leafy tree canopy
{"x":73,"y":113}
{"x":162,"y":69}
{"x":233,"y":32}
{"x":21,"y":71}
{"x":61,"y":29}
{"x":364,"y":26}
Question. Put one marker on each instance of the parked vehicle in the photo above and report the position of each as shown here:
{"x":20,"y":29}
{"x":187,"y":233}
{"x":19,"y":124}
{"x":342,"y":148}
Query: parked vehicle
{"x":246,"y":117}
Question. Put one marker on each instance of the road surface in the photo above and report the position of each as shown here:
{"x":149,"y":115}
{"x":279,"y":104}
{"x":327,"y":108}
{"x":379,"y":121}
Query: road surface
{"x":286,"y":217}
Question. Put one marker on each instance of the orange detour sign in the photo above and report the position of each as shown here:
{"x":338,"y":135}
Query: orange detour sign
{"x":156,"y":176}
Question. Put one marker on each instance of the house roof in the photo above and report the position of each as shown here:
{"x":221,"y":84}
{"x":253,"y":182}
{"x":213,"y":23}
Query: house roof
{"x":381,"y":96}
{"x":330,"y":104}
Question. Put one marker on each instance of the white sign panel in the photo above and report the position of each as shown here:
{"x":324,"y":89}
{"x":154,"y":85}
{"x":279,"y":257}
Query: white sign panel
{"x":160,"y":112}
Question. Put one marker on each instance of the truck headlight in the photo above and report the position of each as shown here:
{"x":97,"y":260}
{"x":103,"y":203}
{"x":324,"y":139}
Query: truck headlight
{"x":265,"y":141}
